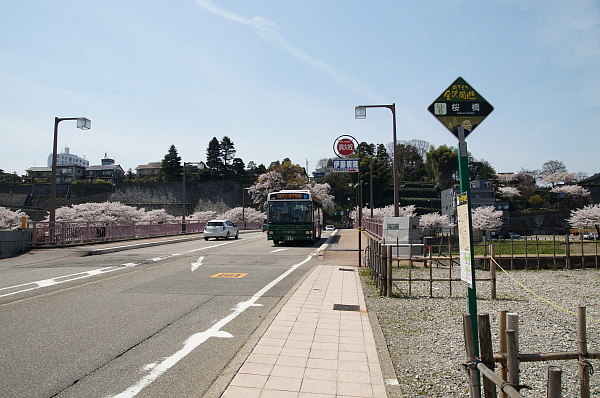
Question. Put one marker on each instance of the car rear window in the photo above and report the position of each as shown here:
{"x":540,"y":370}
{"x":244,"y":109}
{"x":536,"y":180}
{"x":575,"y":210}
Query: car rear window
{"x":215,"y":224}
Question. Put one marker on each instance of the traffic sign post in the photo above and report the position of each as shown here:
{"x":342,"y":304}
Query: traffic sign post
{"x":461,"y":109}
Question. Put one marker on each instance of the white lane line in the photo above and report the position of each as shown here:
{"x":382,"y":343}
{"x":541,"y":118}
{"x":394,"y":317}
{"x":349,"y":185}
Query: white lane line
{"x":80,"y":275}
{"x":56,"y":281}
{"x":197,"y":263}
{"x":155,"y":370}
{"x":277,"y":250}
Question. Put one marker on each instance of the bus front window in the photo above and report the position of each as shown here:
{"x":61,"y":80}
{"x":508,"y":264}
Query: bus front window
{"x":289,"y":212}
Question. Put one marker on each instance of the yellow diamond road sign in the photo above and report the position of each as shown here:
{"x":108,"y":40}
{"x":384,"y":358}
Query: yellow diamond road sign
{"x":460,"y":107}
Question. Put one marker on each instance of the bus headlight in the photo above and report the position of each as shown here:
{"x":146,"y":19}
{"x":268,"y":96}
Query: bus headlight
{"x":308,"y":232}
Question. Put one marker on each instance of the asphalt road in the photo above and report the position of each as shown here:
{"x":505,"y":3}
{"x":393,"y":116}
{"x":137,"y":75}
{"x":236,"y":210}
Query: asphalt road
{"x":163,"y":321}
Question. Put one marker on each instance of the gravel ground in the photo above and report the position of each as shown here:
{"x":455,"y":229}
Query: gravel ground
{"x":425,"y":339}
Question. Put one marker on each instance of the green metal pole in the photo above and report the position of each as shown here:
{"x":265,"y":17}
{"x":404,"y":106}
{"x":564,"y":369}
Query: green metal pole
{"x":465,"y":187}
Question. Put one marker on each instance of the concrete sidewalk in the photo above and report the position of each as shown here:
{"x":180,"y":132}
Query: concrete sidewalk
{"x":321,"y":343}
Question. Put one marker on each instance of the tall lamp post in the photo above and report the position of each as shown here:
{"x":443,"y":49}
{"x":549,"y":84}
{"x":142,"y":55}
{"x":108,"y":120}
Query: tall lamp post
{"x":83,"y":124}
{"x":360,"y":112}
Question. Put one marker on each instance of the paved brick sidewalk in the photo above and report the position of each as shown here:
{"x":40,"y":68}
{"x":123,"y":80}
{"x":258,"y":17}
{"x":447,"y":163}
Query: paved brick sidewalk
{"x":321,"y":343}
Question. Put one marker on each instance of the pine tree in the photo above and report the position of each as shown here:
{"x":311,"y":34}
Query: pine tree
{"x":213,"y":157}
{"x":171,"y":169}
{"x":227,"y":153}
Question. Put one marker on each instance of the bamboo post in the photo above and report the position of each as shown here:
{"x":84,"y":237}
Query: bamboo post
{"x":584,"y":365}
{"x":582,"y":253}
{"x":512,"y":357}
{"x":493,"y":271}
{"x":409,"y":278}
{"x":537,"y":251}
{"x":485,"y":245}
{"x":389,"y":271}
{"x":512,"y":323}
{"x":512,"y":253}
{"x":430,"y":278}
{"x":508,"y":390}
{"x":502,"y":346}
{"x":451,"y":265}
{"x":554,"y":249}
{"x":567,"y":252}
{"x":526,"y":253}
{"x":383,"y":271}
{"x":554,"y":388}
{"x":487,"y":353}
{"x":474,"y":391}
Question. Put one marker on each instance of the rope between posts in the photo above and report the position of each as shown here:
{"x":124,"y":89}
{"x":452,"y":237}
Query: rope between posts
{"x":540,"y":297}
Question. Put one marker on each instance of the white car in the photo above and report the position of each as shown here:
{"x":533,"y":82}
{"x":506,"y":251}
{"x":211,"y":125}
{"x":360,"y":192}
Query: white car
{"x":329,"y":228}
{"x":220,"y":229}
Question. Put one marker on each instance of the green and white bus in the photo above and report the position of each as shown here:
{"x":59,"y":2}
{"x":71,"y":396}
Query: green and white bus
{"x":294,"y":215}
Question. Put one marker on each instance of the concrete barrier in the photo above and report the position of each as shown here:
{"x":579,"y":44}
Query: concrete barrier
{"x":13,"y":242}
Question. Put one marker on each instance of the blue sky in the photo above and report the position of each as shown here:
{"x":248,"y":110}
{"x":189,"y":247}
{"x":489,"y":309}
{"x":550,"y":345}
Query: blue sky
{"x":282,"y":78}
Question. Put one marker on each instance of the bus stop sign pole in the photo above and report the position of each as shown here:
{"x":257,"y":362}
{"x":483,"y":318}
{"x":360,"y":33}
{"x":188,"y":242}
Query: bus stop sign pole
{"x":461,"y":109}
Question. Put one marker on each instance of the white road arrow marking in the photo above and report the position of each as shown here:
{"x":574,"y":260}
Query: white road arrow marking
{"x":197,"y":263}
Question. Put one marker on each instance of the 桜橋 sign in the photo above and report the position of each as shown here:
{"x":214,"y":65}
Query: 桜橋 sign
{"x":460,"y":108}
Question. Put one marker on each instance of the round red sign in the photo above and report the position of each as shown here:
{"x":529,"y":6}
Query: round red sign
{"x":345,"y":147}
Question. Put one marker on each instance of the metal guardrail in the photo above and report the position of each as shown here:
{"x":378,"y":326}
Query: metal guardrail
{"x":68,"y":233}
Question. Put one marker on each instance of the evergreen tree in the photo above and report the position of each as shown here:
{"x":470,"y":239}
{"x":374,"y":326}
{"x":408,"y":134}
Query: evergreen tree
{"x":227,"y":154}
{"x":213,"y":157}
{"x":171,"y":169}
{"x":411,"y":165}
{"x":442,"y":165}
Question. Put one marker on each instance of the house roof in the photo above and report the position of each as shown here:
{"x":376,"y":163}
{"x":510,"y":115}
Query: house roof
{"x":595,"y":179}
{"x":151,"y":165}
{"x":104,"y":167}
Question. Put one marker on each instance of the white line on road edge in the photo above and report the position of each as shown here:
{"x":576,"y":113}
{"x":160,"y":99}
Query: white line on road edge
{"x":195,"y":340}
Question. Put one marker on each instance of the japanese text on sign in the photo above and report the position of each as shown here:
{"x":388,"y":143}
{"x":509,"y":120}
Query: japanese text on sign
{"x":345,"y":165}
{"x":460,"y":92}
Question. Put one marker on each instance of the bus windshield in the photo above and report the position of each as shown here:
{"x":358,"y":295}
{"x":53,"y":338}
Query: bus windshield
{"x":289,"y":212}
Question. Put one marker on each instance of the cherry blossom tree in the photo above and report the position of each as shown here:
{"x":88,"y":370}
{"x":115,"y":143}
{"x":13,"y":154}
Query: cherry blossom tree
{"x":204,"y":215}
{"x":10,"y":219}
{"x":108,"y":211}
{"x":237,"y":214}
{"x":387,"y":211}
{"x":434,"y":222}
{"x":560,"y":177}
{"x":575,"y":191}
{"x":270,"y":181}
{"x":588,"y":216}
{"x":321,"y":191}
{"x":486,"y":218}
{"x":509,"y":192}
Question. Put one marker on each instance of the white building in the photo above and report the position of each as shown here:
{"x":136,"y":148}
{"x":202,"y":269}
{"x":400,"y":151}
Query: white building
{"x":67,"y":158}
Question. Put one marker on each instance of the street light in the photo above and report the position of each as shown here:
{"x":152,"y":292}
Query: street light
{"x":83,"y":124}
{"x":360,"y":112}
